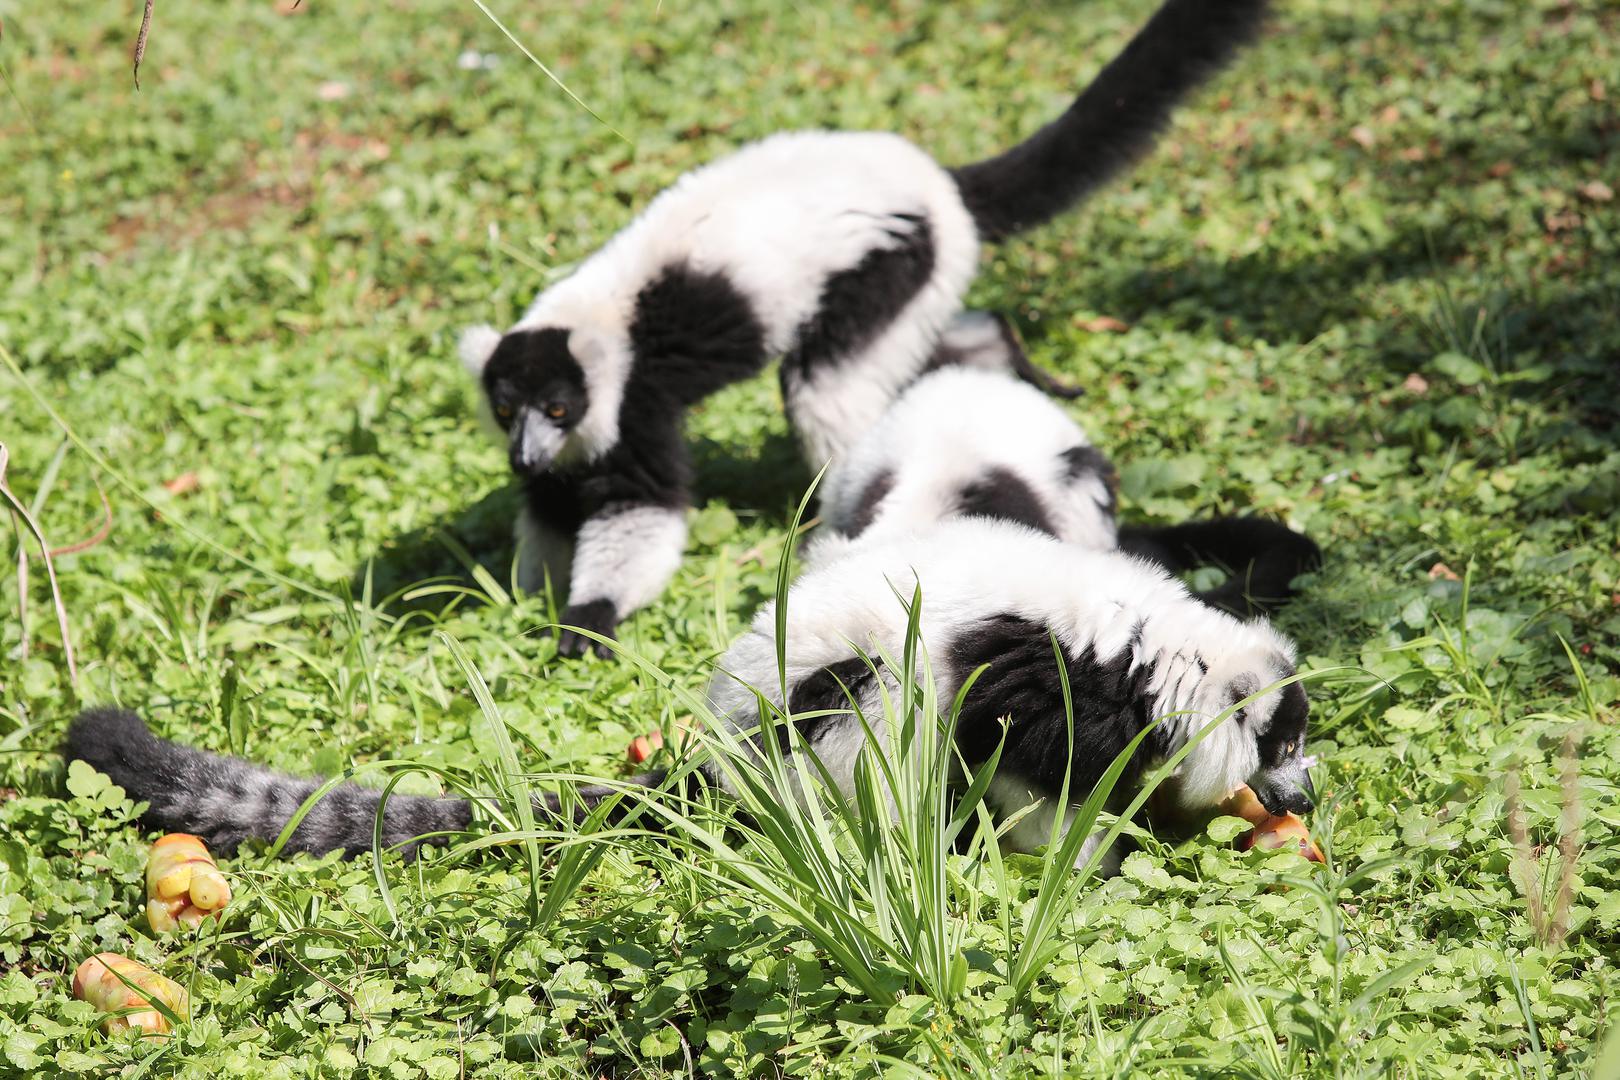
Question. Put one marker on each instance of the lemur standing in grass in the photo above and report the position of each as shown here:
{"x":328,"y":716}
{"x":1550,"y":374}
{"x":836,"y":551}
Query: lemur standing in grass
{"x":844,"y":253}
{"x":926,"y":461}
{"x":1137,"y":648}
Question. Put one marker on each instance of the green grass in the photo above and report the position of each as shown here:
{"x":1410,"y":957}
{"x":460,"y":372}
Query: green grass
{"x":1372,"y":286}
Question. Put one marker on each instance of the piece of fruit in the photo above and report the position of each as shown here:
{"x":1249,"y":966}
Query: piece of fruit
{"x":643,"y":747}
{"x":1271,"y":831}
{"x":183,"y":883}
{"x":97,"y":981}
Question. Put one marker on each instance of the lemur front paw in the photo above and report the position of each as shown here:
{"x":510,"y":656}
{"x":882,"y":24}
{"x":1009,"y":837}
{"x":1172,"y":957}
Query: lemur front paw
{"x":597,"y":616}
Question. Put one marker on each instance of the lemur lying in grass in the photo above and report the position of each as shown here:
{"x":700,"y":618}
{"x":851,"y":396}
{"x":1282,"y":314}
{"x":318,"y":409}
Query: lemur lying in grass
{"x":844,"y":253}
{"x":930,"y":458}
{"x":1137,"y":647}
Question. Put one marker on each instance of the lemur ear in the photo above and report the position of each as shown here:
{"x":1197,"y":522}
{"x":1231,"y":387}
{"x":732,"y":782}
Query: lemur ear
{"x":476,"y":346}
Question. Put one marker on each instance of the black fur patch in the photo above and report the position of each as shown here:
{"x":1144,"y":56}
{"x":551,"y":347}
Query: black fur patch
{"x":598,"y":616}
{"x":693,"y":333}
{"x":1002,"y":494}
{"x":858,"y":303}
{"x":554,"y":500}
{"x":820,"y":691}
{"x":1022,"y":683}
{"x":867,"y":507}
{"x":534,"y":369}
{"x":1287,"y":725}
{"x":1263,"y":558}
{"x":1083,"y":461}
{"x":1113,"y":122}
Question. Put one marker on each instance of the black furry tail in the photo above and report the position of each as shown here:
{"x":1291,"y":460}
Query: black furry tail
{"x":1113,"y":122}
{"x":226,"y":800}
{"x":1263,"y":558}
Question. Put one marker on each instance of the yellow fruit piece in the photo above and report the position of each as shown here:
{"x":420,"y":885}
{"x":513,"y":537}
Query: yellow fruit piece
{"x":97,"y":981}
{"x":183,"y":883}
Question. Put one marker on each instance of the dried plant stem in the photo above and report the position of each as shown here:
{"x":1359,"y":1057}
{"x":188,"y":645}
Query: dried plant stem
{"x":1527,"y":871}
{"x":1569,"y":831}
{"x":23,"y":644}
{"x":20,"y":512}
{"x":94,"y":538}
{"x":140,"y":41}
{"x":1524,"y":860}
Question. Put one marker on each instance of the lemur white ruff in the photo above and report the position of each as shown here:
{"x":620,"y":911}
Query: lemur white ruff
{"x":844,"y":253}
{"x":1136,"y":645}
{"x":929,"y":458}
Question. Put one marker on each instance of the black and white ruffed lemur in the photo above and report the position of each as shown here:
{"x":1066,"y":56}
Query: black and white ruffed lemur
{"x":844,"y":253}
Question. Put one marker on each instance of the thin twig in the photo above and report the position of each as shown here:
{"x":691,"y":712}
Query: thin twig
{"x":535,"y":60}
{"x":21,"y":511}
{"x":22,"y":577}
{"x":95,"y":538}
{"x":140,"y":41}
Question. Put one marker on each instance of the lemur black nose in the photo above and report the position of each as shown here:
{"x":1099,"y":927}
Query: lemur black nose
{"x":1284,"y":797}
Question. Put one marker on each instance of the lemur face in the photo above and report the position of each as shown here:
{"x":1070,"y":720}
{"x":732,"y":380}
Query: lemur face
{"x":535,"y":390}
{"x":1260,"y":743}
{"x":1282,"y":782}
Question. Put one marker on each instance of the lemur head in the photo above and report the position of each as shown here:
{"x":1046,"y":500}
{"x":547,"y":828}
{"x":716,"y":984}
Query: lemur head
{"x":1261,"y":742}
{"x":534,"y":390}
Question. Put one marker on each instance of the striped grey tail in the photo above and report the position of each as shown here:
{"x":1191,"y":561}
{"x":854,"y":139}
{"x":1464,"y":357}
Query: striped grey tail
{"x":226,"y":800}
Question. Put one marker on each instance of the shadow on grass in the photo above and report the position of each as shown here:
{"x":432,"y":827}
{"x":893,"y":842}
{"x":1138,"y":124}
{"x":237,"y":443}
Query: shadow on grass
{"x":763,"y":482}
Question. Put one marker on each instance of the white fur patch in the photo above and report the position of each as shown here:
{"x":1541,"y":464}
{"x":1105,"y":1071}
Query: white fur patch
{"x":540,"y":441}
{"x":476,"y":346}
{"x":947,"y":430}
{"x":627,"y":557}
{"x":1009,"y":795}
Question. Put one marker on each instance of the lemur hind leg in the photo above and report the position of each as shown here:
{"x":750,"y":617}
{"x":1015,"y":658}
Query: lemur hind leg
{"x":624,"y":556}
{"x":987,"y":341}
{"x":874,"y":330}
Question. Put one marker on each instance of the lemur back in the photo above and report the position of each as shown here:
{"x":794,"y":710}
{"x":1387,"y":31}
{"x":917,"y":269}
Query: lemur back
{"x":929,"y":459}
{"x":966,"y":441}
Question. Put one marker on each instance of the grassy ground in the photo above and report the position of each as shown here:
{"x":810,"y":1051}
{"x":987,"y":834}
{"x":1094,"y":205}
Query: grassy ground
{"x":1371,"y":284}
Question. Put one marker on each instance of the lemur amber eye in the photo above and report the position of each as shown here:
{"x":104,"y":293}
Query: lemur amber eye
{"x":1289,"y":749}
{"x":504,"y":412}
{"x":556,"y":410}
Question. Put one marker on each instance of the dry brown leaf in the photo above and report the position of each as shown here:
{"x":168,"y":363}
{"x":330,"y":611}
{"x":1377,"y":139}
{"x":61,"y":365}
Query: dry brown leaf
{"x":1499,"y":170}
{"x":1597,"y":191}
{"x":1363,"y":136}
{"x":1416,"y":383}
{"x":1441,"y":570}
{"x":184,"y":484}
{"x":1102,"y":324}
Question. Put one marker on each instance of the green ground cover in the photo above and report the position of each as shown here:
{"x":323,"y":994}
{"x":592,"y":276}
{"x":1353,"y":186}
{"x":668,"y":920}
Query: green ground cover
{"x":1370,"y":285}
